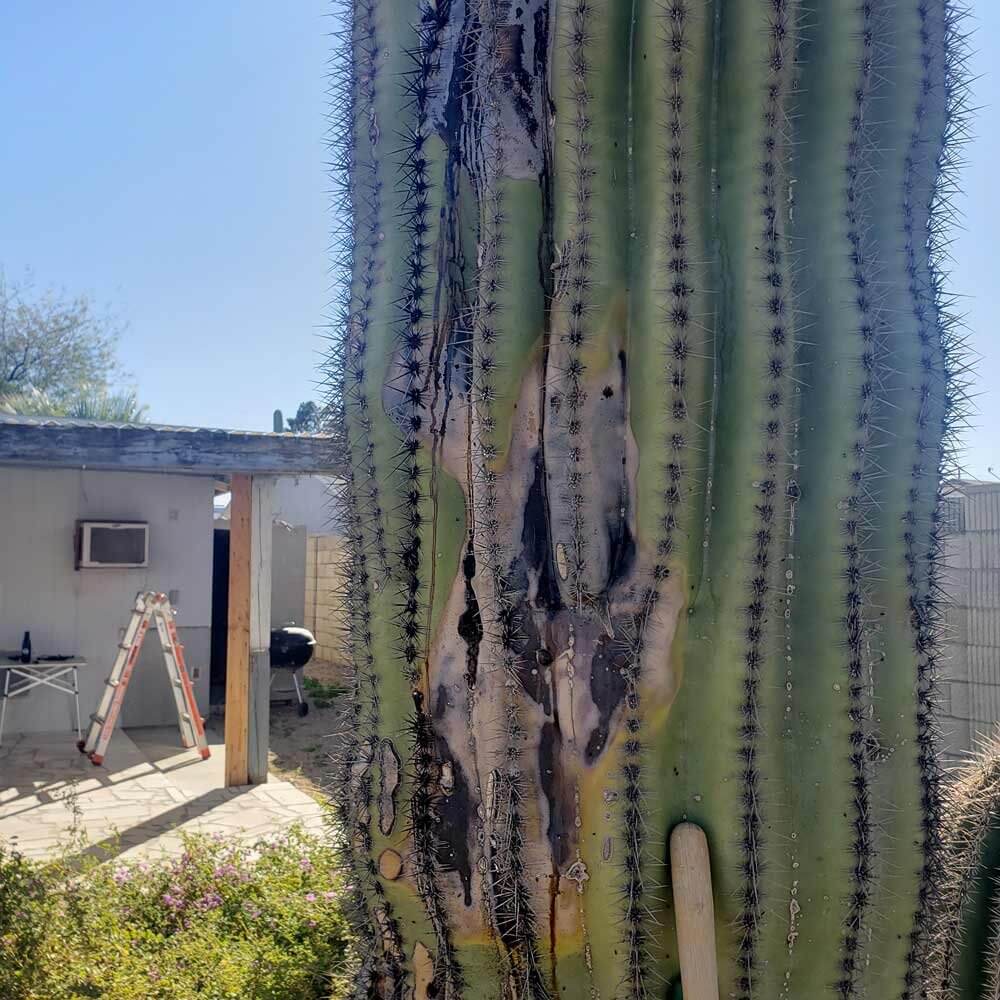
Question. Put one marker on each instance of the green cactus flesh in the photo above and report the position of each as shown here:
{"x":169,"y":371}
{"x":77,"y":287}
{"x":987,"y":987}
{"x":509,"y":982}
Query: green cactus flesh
{"x":647,"y":378}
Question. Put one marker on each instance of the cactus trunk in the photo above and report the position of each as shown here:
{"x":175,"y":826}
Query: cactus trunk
{"x":647,"y":382}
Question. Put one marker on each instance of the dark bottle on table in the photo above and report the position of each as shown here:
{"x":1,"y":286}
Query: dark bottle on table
{"x":26,"y":648}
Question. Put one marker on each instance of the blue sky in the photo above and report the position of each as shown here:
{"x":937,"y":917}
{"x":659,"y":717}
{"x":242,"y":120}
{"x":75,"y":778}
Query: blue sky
{"x":167,"y":158}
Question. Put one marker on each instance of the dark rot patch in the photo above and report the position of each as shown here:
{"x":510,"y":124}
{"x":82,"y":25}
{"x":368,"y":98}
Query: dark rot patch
{"x":621,"y":554}
{"x":536,"y":541}
{"x":441,"y":702}
{"x":559,"y":797}
{"x":456,"y":821}
{"x":532,"y":663}
{"x":607,"y":689}
{"x":470,"y":622}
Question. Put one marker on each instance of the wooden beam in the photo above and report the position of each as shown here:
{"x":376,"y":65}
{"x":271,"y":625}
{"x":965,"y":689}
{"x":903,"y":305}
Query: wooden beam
{"x":261,"y":505}
{"x":55,"y":443}
{"x":237,"y":723}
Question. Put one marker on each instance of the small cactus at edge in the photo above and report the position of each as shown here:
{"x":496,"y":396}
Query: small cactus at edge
{"x":648,"y":381}
{"x":965,"y":953}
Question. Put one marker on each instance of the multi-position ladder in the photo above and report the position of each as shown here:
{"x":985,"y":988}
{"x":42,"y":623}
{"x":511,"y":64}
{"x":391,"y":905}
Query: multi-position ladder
{"x":149,"y":607}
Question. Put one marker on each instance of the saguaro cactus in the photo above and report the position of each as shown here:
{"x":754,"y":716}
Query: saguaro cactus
{"x":647,"y":376}
{"x":965,"y":940}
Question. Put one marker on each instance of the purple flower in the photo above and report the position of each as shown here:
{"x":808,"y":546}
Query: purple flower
{"x":329,"y":895}
{"x":210,"y":901}
{"x":225,"y":871}
{"x":174,"y":897}
{"x":250,"y":909}
{"x":310,"y":897}
{"x":121,"y":875}
{"x":305,"y":864}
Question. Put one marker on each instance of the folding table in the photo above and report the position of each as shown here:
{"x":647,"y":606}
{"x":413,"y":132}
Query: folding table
{"x":58,"y":673}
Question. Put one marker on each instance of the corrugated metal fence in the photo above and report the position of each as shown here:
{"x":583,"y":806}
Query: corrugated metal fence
{"x":970,"y":685}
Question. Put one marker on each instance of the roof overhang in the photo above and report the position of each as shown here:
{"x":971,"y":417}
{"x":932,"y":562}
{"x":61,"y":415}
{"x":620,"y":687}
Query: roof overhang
{"x":59,"y":443}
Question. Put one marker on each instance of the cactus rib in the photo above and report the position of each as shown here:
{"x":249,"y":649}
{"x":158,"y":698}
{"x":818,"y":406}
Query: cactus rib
{"x":777,"y":331}
{"x":509,"y":908}
{"x":414,"y":364}
{"x":354,"y":77}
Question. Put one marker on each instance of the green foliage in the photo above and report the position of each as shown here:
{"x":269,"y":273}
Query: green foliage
{"x":323,"y":695}
{"x":307,"y":419}
{"x":223,"y":921}
{"x":89,"y":403}
{"x":58,"y":345}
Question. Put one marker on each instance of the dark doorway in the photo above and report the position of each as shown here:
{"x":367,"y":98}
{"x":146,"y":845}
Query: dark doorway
{"x":220,"y":618}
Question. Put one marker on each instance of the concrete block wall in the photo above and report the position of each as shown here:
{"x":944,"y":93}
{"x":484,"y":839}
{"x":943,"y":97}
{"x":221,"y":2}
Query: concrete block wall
{"x":325,"y":567}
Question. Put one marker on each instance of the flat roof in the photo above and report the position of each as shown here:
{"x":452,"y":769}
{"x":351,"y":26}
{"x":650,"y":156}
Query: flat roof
{"x":63,"y":443}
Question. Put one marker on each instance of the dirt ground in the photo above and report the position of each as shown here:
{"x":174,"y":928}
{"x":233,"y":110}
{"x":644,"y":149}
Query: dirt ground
{"x":301,"y":747}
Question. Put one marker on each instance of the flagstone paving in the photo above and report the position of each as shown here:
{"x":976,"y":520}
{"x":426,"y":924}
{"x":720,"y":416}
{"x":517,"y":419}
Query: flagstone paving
{"x":145,"y":794}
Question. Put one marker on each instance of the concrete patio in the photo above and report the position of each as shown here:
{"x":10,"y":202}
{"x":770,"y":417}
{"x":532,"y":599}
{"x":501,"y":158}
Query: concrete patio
{"x":138,"y":802}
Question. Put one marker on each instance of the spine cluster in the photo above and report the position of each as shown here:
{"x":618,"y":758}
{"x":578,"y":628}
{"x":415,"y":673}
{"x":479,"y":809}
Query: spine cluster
{"x":424,"y":777}
{"x":926,"y":210}
{"x":678,"y":319}
{"x":678,"y":324}
{"x":763,"y":603}
{"x":356,"y":179}
{"x":367,"y":239}
{"x":855,"y":523}
{"x":575,"y":283}
{"x":414,"y":337}
{"x":509,"y":904}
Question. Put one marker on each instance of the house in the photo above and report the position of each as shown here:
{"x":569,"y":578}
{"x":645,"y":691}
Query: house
{"x":59,"y":475}
{"x":307,"y":559}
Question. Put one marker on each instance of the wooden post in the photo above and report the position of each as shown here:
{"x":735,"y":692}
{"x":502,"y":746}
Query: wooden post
{"x":238,"y":643}
{"x":260,"y":629}
{"x":248,"y":660}
{"x":691,"y":876}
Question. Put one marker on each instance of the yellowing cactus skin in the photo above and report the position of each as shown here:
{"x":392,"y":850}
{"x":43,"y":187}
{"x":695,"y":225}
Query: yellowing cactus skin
{"x":647,"y":377}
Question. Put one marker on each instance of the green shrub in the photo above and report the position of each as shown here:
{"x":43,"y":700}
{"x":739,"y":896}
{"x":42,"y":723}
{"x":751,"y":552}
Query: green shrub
{"x":323,"y":695}
{"x":224,"y":920}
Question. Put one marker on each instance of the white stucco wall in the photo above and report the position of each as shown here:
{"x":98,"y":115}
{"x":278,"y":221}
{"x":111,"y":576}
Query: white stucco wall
{"x":304,"y":501}
{"x":288,"y":575}
{"x":300,"y":507}
{"x":83,"y":612}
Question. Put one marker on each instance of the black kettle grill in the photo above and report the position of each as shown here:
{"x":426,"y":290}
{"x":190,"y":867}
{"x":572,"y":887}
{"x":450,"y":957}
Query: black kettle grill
{"x":292,"y":648}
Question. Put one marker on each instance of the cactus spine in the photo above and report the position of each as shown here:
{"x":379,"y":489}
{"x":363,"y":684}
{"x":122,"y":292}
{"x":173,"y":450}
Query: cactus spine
{"x":648,"y":379}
